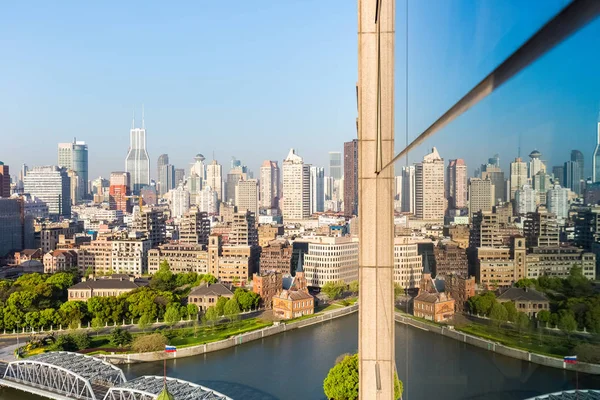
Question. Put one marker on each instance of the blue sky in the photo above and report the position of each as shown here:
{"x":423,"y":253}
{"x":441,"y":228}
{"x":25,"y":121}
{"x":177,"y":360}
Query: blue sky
{"x":252,"y":79}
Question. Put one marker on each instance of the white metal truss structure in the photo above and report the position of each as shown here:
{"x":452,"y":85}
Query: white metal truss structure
{"x":69,"y":374}
{"x":148,"y":388}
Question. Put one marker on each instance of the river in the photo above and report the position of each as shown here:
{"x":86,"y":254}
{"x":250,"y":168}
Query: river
{"x":292,"y":365}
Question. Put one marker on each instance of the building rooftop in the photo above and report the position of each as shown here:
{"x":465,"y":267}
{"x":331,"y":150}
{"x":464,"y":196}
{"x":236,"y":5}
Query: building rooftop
{"x":216,"y":289}
{"x":528,"y":294}
{"x":294,"y":295}
{"x":115,"y":281}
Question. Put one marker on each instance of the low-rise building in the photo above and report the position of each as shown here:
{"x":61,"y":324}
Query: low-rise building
{"x":268,"y":233}
{"x":293,"y":304}
{"x":437,"y":307}
{"x":59,"y":260}
{"x":28,"y":255}
{"x":207,"y":295}
{"x":557,"y":261}
{"x":267,"y":284}
{"x":105,"y":286}
{"x":526,"y":300}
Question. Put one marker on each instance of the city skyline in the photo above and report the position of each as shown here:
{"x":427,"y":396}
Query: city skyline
{"x":172,"y":105}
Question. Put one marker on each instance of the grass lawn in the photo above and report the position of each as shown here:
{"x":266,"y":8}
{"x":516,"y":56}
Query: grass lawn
{"x":185,"y":337}
{"x":535,"y":342}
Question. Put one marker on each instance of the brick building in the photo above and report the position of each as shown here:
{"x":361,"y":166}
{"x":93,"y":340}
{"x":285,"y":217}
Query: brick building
{"x":277,"y":256}
{"x":450,"y":258}
{"x":437,"y":307}
{"x":460,"y":289}
{"x":267,"y":284}
{"x":60,"y":260}
{"x":268,"y":233}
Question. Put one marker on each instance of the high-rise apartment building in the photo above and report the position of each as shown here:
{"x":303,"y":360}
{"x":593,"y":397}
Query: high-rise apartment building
{"x":74,"y":156}
{"x":180,"y":201}
{"x":194,"y":227}
{"x":335,"y":165}
{"x":540,"y":229}
{"x":235,"y":175}
{"x":558,"y":173}
{"x":481,"y":195}
{"x":525,"y":199}
{"x":246,"y":196}
{"x":518,"y":176}
{"x":208,"y":201}
{"x":408,"y":189}
{"x":430,"y":202}
{"x":179,"y":176}
{"x":243,"y":230}
{"x":51,"y":185}
{"x":214,"y":178}
{"x":4,"y":180}
{"x":317,"y":189}
{"x":495,"y":174}
{"x":137,"y":162}
{"x":456,"y":184}
{"x":557,"y":201}
{"x":118,"y":191}
{"x":296,"y":187}
{"x":269,"y":184}
{"x":16,"y":229}
{"x":152,"y":221}
{"x":351,"y":177}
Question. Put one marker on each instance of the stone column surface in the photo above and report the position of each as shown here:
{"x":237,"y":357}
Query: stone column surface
{"x":375,"y":204}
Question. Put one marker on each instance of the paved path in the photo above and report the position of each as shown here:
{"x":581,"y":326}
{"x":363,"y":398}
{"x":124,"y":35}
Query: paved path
{"x":7,"y":353}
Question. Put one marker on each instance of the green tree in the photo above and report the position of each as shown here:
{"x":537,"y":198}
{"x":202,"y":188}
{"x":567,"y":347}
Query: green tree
{"x":172,"y":315}
{"x":498,"y":314}
{"x":82,"y":340}
{"x":61,"y":280}
{"x":73,"y":312}
{"x":144,"y":322}
{"x":220,"y":306}
{"x":163,"y":278}
{"x":208,"y":278}
{"x":88,"y":272}
{"x":341,"y":382}
{"x":398,"y":290}
{"x":119,"y":337}
{"x":211,"y":315}
{"x":482,"y":304}
{"x":192,"y":311}
{"x":246,"y":300}
{"x":522,"y":322}
{"x":353,"y":287}
{"x":152,"y":342}
{"x":97,"y":324}
{"x":544,"y":316}
{"x":49,"y":317}
{"x":511,"y":310}
{"x":526,"y":283}
{"x":567,"y":322}
{"x":231,"y":309}
{"x":333,"y":290}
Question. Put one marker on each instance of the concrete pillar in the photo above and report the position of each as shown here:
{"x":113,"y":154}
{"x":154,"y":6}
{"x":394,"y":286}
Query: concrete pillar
{"x":375,"y":198}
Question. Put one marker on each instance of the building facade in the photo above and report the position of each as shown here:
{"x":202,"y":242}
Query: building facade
{"x":246,"y":196}
{"x":296,"y":188}
{"x":408,"y":263}
{"x":74,"y":156}
{"x":518,"y":176}
{"x":317,"y":189}
{"x":351,"y":177}
{"x":456,"y":184}
{"x":430,"y":202}
{"x":51,"y":185}
{"x":137,"y":162}
{"x":269,"y":185}
{"x":331,"y":259}
{"x":481,"y":195}
{"x":214,"y":178}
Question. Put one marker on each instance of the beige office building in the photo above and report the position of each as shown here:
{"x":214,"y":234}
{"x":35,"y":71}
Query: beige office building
{"x":430,"y":201}
{"x":182,"y":257}
{"x":481,"y":195}
{"x":518,"y":175}
{"x":246,"y":196}
{"x":408,"y":264}
{"x":296,"y":188}
{"x":214,"y":178}
{"x":331,"y":259}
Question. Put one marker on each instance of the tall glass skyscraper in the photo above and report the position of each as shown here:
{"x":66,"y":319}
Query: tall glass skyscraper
{"x":74,"y":157}
{"x":335,"y":165}
{"x":137,"y":162}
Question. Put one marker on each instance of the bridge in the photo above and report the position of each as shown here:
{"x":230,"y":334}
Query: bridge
{"x":67,"y":376}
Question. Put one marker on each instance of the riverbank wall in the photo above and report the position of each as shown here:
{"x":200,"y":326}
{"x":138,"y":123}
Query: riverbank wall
{"x":499,"y":348}
{"x":229,"y":342}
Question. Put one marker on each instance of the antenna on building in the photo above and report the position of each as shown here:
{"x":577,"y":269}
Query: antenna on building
{"x":143,"y":123}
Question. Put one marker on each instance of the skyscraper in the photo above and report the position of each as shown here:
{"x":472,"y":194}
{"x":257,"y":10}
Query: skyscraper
{"x":317,"y":189}
{"x":269,"y":184}
{"x":535,"y":164}
{"x":214,"y":178}
{"x":180,"y":201}
{"x":456,"y":184}
{"x":179,"y":176}
{"x":351,"y":177}
{"x":518,"y":175}
{"x":335,"y":165}
{"x":167,"y":179}
{"x":74,"y":156}
{"x":163,"y":160}
{"x":481,"y":195}
{"x":577,"y":156}
{"x":118,"y":190}
{"x":235,"y":175}
{"x":408,"y":189}
{"x":430,"y":202}
{"x":572,"y":176}
{"x":137,"y":162}
{"x":51,"y":185}
{"x":495,"y":174}
{"x":596,"y":157}
{"x":296,"y":187}
{"x":557,"y":199}
{"x":246,"y":196}
{"x":558,"y":172}
{"x":4,"y":180}
{"x":525,"y":199}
